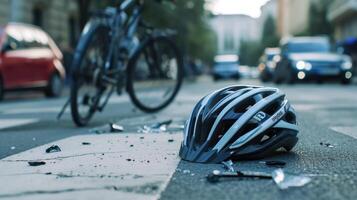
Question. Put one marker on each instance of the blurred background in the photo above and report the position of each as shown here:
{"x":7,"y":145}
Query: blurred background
{"x":252,"y":31}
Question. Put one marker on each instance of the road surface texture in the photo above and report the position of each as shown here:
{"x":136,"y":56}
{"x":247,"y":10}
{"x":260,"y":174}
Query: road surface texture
{"x":136,"y":164}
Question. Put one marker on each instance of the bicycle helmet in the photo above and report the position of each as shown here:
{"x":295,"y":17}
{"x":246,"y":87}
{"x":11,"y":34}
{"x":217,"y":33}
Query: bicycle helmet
{"x":239,"y":122}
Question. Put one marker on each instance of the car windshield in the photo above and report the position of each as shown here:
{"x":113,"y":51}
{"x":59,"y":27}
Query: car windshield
{"x":225,"y":65}
{"x":301,"y":47}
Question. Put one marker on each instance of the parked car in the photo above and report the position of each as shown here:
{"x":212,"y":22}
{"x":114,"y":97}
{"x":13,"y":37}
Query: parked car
{"x":268,"y":63}
{"x":29,"y":59}
{"x":311,"y":58}
{"x":226,"y":67}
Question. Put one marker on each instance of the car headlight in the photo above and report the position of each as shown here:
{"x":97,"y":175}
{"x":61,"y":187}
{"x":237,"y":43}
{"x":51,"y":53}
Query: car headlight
{"x":346,"y":65}
{"x":302,"y":65}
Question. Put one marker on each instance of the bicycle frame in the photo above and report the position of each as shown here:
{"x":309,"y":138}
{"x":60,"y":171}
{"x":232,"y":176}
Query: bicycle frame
{"x":123,"y":31}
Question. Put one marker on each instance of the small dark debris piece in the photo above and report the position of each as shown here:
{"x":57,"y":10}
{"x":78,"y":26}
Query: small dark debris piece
{"x":53,"y":149}
{"x":128,"y":159}
{"x":275,"y":163}
{"x":36,"y":163}
{"x":115,"y":128}
{"x":326,"y":144}
{"x":141,"y":137}
{"x":86,"y":143}
{"x":131,"y":145}
{"x":170,"y":140}
{"x":48,"y":173}
{"x":216,"y":175}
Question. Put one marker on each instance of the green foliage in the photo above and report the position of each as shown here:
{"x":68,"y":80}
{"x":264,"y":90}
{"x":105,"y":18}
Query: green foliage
{"x":190,"y":19}
{"x":270,"y":37}
{"x":250,"y":51}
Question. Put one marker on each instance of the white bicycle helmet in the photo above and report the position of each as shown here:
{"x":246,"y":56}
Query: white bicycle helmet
{"x":239,"y":122}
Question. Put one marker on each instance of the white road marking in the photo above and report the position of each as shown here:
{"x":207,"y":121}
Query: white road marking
{"x":347,"y":130}
{"x":96,"y":171}
{"x":8,"y":123}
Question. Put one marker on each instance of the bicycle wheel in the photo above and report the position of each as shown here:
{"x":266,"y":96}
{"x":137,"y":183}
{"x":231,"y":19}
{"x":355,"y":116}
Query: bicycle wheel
{"x":155,"y":74}
{"x":86,"y":89}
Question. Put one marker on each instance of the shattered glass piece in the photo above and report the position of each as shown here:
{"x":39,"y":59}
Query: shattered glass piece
{"x":160,"y":124}
{"x":115,"y":128}
{"x":186,"y":171}
{"x":228,"y":165}
{"x":276,"y":163}
{"x":53,"y":149}
{"x":285,"y":180}
{"x":158,"y":127}
{"x":36,"y":163}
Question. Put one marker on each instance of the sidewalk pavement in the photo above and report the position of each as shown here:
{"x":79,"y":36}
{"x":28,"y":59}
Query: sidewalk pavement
{"x":109,"y":166}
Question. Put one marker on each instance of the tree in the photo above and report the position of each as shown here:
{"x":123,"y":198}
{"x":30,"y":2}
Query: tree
{"x":318,"y":23}
{"x":269,"y":35}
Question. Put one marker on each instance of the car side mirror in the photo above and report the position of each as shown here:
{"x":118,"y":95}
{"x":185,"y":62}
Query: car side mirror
{"x":7,"y":47}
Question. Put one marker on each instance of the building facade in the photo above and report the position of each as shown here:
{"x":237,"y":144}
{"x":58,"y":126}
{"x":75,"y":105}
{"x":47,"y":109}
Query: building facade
{"x":293,"y":17}
{"x":343,"y":15}
{"x":58,"y":18}
{"x":232,"y":29}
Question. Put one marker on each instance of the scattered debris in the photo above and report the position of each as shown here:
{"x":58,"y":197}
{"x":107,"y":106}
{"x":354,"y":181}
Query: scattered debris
{"x":156,"y":127}
{"x":36,"y":163}
{"x":86,"y":143}
{"x":33,"y":139}
{"x":327,"y":145}
{"x":170,"y":140}
{"x":228,"y":165}
{"x":142,"y":137}
{"x":131,"y":145}
{"x":285,"y":180}
{"x":275,"y":163}
{"x":13,"y":148}
{"x":128,"y":159}
{"x":48,"y":173}
{"x":186,"y":171}
{"x":53,"y":149}
{"x":216,"y":175}
{"x":115,"y":128}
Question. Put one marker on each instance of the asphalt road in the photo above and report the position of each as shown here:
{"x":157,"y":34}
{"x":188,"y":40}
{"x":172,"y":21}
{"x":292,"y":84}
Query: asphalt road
{"x":326,"y":114}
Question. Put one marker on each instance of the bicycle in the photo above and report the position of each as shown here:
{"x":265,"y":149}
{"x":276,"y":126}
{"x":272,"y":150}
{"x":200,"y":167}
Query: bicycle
{"x":110,"y":56}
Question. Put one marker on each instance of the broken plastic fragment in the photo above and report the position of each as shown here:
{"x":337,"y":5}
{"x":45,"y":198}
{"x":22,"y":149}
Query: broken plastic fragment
{"x":228,"y":165}
{"x":53,"y":148}
{"x":285,"y":180}
{"x":186,"y":171}
{"x":276,"y":163}
{"x":327,"y":145}
{"x":36,"y":163}
{"x":216,"y":175}
{"x":115,"y":128}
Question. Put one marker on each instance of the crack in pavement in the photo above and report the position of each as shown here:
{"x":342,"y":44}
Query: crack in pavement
{"x":64,"y":157}
{"x":149,"y":188}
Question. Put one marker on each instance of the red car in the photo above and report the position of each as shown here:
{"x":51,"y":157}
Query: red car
{"x":29,"y":59}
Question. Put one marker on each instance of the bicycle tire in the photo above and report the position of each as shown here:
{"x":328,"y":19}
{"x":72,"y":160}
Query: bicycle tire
{"x":132,"y":69}
{"x":80,"y":53}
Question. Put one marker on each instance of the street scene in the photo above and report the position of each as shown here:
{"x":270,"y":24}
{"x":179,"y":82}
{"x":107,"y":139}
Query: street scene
{"x":226,"y":100}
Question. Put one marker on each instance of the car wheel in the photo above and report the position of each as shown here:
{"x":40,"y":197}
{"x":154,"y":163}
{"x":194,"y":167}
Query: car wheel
{"x":289,"y":78}
{"x":55,"y":86}
{"x":346,"y":81}
{"x":1,"y":89}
